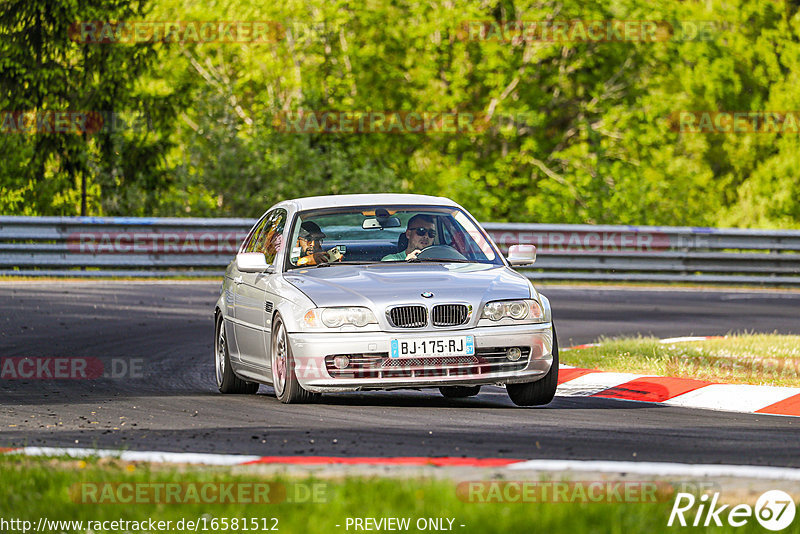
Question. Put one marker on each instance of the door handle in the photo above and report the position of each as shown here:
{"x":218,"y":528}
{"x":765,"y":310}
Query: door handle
{"x":238,"y":280}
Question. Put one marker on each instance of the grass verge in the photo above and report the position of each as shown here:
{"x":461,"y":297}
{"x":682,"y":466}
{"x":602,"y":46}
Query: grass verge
{"x":55,"y":489}
{"x":764,"y":359}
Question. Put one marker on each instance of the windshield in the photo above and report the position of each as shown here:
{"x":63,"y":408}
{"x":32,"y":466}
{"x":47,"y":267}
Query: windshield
{"x":388,"y":234}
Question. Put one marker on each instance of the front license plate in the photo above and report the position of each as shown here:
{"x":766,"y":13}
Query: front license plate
{"x":444,"y":346}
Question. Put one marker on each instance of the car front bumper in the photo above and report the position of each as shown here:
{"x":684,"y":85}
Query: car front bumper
{"x":310,"y":351}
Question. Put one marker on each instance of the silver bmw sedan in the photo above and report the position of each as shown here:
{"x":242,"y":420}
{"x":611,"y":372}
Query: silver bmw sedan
{"x":381,"y":291}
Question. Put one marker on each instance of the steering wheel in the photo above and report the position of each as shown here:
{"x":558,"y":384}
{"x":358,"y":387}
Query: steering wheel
{"x":440,"y":252}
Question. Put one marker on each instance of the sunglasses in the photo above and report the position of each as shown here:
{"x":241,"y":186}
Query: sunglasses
{"x":422,"y":231}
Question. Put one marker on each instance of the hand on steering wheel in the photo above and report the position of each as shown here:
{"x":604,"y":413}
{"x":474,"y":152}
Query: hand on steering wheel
{"x":413,"y":254}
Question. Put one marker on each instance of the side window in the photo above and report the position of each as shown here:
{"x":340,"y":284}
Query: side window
{"x":250,"y":245}
{"x":271,"y":238}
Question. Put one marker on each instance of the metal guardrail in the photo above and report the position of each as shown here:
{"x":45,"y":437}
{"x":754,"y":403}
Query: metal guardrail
{"x":131,"y":246}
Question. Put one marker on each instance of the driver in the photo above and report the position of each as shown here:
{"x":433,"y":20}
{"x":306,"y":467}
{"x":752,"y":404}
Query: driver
{"x":309,"y":241}
{"x":421,"y":232}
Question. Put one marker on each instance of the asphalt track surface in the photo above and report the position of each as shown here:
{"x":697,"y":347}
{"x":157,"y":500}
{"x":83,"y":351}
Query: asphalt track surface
{"x":175,"y":406}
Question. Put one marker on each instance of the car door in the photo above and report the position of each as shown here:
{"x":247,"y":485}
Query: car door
{"x":240,"y":293}
{"x":253,"y":308}
{"x":231,"y":284}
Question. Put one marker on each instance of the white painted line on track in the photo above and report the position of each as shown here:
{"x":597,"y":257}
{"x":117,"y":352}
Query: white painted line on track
{"x":661,"y":469}
{"x":141,"y":456}
{"x":639,"y":468}
{"x":732,"y":397}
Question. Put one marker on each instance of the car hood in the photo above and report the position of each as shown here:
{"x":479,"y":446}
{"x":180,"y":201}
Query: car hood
{"x":378,"y":285}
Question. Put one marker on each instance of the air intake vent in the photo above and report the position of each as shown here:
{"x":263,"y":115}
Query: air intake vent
{"x":449,"y":314}
{"x":408,"y":316}
{"x":268,"y":307}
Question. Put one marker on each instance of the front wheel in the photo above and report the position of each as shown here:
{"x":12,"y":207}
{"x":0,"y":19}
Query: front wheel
{"x":227,"y":381}
{"x":284,"y":380}
{"x":540,"y":392}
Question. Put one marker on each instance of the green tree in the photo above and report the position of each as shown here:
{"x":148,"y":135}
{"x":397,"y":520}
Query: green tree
{"x":44,"y":70}
{"x":578,"y":131}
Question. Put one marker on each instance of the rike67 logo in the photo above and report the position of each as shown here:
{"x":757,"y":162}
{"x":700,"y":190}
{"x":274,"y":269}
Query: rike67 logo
{"x":774,"y":510}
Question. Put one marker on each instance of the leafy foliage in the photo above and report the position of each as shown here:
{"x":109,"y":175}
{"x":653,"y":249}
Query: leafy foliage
{"x":578,"y":131}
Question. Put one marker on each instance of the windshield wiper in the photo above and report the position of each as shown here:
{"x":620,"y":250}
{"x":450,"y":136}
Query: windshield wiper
{"x":329,"y":263}
{"x":442,"y":260}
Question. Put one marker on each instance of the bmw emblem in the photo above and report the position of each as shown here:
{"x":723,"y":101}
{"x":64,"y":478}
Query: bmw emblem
{"x":427,"y":294}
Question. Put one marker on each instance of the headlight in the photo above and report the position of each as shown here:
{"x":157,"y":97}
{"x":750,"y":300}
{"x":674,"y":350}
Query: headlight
{"x":528,"y":311}
{"x":336,"y":317}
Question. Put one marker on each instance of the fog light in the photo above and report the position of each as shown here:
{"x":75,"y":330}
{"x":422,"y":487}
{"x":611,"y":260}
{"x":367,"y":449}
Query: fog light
{"x":513,"y":354}
{"x":341,"y":362}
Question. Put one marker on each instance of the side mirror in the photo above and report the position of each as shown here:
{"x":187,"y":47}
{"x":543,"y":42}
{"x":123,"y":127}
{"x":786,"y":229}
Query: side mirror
{"x":520,"y":255}
{"x":252,"y":262}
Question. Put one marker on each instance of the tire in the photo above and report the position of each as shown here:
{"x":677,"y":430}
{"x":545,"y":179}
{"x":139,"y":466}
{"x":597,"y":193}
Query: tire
{"x":540,"y":392}
{"x":459,"y":392}
{"x":227,"y":381}
{"x":284,"y":380}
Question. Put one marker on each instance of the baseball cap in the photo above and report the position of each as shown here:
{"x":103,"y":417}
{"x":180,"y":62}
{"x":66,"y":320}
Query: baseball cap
{"x":310,"y":229}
